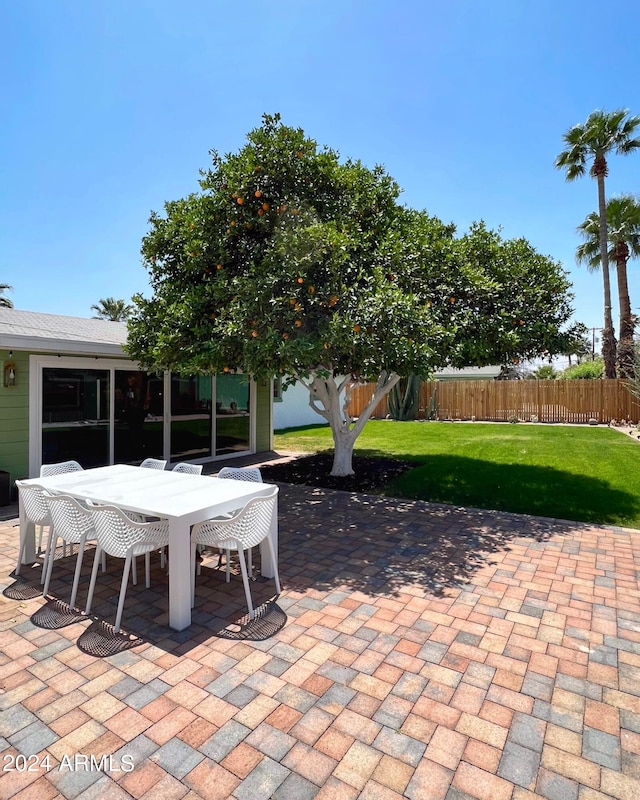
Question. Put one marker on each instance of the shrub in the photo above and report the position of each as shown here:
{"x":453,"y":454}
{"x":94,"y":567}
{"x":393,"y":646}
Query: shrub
{"x":588,"y":370}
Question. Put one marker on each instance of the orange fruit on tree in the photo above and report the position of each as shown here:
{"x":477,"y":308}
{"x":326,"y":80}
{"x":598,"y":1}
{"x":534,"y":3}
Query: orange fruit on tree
{"x":232,"y":223}
{"x":299,"y":153}
{"x":452,"y":299}
{"x":292,"y":301}
{"x":226,"y":369}
{"x":356,"y":328}
{"x":258,"y":193}
{"x":298,"y":323}
{"x":295,"y":211}
{"x":260,"y":212}
{"x":312,"y":290}
{"x":239,"y":201}
{"x":333,"y":300}
{"x":265,"y":206}
{"x":300,"y":280}
{"x":219,"y":266}
{"x":254,"y":334}
{"x":285,"y":336}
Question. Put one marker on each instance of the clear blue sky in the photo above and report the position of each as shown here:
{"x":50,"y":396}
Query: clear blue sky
{"x":111,"y":108}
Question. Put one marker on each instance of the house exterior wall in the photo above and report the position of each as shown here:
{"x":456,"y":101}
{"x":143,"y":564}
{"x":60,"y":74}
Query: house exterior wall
{"x":263,"y":416}
{"x":294,"y":409}
{"x":15,"y":409}
{"x":14,"y":417}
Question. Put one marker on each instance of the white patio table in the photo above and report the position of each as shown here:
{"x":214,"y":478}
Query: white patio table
{"x":183,"y":499}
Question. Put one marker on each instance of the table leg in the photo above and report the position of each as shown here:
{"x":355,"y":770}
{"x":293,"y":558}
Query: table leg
{"x":179,"y":575}
{"x":27,"y":535}
{"x":268,"y":567}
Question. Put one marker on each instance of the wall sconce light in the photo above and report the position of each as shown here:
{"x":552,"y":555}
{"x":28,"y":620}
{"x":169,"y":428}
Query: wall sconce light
{"x":10,"y":373}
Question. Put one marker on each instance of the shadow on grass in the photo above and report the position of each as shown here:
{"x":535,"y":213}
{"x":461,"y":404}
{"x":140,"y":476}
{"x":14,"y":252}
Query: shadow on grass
{"x":518,"y":488}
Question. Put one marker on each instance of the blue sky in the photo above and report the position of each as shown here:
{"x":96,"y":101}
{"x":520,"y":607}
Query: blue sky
{"x":111,"y":108}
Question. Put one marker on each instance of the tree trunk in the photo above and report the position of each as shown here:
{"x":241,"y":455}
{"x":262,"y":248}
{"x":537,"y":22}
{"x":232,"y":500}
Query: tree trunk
{"x":626,"y":351}
{"x":343,"y":454}
{"x":608,"y":335}
{"x":345,"y":430}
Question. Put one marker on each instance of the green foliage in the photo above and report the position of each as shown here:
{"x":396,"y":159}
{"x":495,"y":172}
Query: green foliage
{"x":289,"y":260}
{"x":546,"y":372}
{"x":113,"y":310}
{"x":5,"y":302}
{"x":404,"y":399}
{"x":588,"y":370}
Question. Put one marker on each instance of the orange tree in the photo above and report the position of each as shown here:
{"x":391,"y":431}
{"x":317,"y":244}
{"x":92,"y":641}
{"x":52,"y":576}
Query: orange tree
{"x":290,"y":262}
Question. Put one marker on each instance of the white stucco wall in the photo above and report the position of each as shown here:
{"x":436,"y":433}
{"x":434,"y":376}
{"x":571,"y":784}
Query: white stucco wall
{"x":294,"y":410}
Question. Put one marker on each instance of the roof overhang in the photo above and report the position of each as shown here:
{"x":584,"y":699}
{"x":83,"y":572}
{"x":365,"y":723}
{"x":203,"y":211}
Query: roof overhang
{"x":41,"y":344}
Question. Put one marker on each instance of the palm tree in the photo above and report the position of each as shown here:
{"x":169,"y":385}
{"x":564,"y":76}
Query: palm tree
{"x":601,"y":134}
{"x":112,"y":309}
{"x":4,"y":301}
{"x":623,"y":234}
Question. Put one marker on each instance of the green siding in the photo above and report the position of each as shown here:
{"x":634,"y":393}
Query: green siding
{"x":263,"y":416}
{"x":14,"y":417}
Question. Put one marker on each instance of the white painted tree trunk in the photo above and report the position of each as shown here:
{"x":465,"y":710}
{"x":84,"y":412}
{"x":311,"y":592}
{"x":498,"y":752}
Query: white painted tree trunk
{"x":331,"y":400}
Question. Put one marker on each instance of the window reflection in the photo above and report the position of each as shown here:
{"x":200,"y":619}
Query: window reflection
{"x":232,"y":414}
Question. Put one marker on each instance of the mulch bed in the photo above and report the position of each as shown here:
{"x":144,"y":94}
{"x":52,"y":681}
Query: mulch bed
{"x":371,"y":474}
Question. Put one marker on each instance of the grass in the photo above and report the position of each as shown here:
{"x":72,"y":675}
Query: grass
{"x":566,"y":472}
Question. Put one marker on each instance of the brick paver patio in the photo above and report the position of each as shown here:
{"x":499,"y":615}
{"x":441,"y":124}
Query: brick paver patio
{"x":417,"y":651}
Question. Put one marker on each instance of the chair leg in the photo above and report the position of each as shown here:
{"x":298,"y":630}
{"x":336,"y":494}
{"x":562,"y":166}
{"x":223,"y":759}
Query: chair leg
{"x":123,"y":590}
{"x":228,"y":570}
{"x":48,"y":552}
{"x":134,"y":571}
{"x":94,"y":575}
{"x":275,"y":565}
{"x":50,"y":559}
{"x":147,"y":569}
{"x":76,"y":577}
{"x":245,"y":581}
{"x":23,"y":547}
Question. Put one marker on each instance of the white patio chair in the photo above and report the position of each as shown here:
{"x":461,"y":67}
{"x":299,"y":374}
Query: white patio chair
{"x":70,"y":521}
{"x":253,"y":475}
{"x":37,"y":511}
{"x":190,"y":469}
{"x":47,"y":470}
{"x":246,"y":529}
{"x":59,"y":468}
{"x":118,"y":535}
{"x":154,"y":463}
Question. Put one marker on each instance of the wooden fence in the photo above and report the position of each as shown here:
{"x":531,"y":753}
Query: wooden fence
{"x":528,"y":400}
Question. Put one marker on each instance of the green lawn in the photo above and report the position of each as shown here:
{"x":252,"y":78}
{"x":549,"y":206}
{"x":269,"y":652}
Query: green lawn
{"x":575,"y":473}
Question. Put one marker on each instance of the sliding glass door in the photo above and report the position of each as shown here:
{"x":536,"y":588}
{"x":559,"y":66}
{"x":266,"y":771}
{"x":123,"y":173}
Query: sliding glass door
{"x":191,"y":417}
{"x":100,"y":412}
{"x":233,"y":414}
{"x":138,"y":416}
{"x":75,"y":416}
